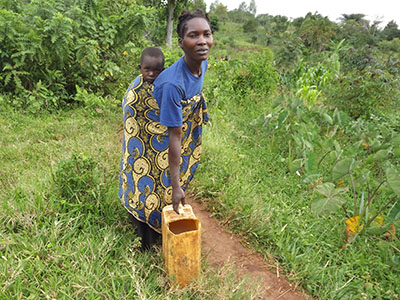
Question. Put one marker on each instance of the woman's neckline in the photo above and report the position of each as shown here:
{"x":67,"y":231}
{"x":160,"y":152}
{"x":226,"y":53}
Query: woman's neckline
{"x":195,"y":74}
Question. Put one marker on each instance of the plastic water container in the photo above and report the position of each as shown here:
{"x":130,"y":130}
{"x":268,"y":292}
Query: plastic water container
{"x":181,"y":243}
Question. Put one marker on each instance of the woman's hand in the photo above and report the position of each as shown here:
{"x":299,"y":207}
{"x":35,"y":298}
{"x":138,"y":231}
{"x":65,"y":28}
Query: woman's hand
{"x":174,"y":160}
{"x":178,"y":196}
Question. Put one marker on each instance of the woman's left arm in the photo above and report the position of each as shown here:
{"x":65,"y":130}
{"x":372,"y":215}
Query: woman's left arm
{"x":174,"y":160}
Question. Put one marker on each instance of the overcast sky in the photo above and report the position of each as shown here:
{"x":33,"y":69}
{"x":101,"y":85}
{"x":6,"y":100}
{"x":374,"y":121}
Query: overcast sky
{"x":384,"y":10}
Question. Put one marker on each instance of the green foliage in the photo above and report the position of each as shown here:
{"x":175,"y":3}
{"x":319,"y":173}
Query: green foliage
{"x":89,"y":100}
{"x":330,"y":198}
{"x":363,"y":84}
{"x":360,"y":58}
{"x":267,"y":174}
{"x":391,"y":47}
{"x":288,"y":55}
{"x":358,"y":31}
{"x":363,"y":93}
{"x":312,"y":81}
{"x":218,"y":11}
{"x":250,"y":26}
{"x":391,"y":31}
{"x":257,"y":74}
{"x":214,"y":23}
{"x":393,"y":179}
{"x":49,"y":47}
{"x":199,"y":4}
{"x":278,"y":173}
{"x":240,"y":15}
{"x":316,"y":32}
{"x":171,"y":55}
{"x":314,"y":148}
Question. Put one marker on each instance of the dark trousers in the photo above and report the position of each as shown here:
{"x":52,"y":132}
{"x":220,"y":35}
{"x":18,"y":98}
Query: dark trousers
{"x":148,"y":235}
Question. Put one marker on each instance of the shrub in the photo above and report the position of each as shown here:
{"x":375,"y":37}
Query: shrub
{"x":363,"y":93}
{"x":255,"y":74}
{"x":233,"y":79}
{"x":392,"y":47}
{"x":48,"y":47}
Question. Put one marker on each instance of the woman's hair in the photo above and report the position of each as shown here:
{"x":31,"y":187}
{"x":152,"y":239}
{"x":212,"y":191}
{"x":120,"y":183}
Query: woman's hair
{"x":186,"y":16}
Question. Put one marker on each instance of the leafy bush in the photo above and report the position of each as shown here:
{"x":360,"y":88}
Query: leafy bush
{"x":90,"y":100}
{"x":358,"y":58}
{"x":288,"y":54}
{"x":241,"y":77}
{"x":363,"y":93}
{"x":392,"y":47}
{"x":347,"y":164}
{"x":171,"y":55}
{"x":48,"y":47}
{"x":258,"y":74}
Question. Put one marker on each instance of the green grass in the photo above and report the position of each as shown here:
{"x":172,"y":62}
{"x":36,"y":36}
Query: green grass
{"x":63,"y":232}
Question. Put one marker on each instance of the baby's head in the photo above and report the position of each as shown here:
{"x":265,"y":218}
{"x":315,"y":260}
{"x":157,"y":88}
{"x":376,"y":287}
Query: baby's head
{"x":151,"y":63}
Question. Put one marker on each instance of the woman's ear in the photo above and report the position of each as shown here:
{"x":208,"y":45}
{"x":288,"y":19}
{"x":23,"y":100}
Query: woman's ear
{"x":180,"y":40}
{"x":139,"y":67}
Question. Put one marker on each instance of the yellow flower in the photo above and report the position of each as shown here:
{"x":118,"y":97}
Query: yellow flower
{"x":125,"y":53}
{"x":353,"y":224}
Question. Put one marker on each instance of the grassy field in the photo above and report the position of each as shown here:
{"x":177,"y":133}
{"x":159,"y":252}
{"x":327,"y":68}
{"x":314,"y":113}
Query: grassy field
{"x":65,"y":235}
{"x":63,"y":232}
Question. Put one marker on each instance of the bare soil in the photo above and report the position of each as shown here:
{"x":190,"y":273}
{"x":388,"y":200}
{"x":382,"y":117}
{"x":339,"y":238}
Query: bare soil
{"x":220,"y":248}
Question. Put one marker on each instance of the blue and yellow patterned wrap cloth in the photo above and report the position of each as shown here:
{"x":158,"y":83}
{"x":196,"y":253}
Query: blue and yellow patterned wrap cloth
{"x":145,"y":183}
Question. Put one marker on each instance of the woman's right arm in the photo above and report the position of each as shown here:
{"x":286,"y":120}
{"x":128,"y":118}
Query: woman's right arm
{"x":174,"y":160}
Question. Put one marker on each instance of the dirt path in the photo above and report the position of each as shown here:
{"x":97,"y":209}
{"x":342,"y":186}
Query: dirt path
{"x":220,"y":248}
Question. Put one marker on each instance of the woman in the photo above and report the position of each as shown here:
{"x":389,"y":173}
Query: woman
{"x":164,"y":155}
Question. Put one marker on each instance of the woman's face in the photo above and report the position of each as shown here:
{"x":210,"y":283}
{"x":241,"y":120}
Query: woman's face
{"x":197,"y":40}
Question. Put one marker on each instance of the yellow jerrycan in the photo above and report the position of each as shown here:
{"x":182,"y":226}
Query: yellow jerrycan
{"x":181,"y":244}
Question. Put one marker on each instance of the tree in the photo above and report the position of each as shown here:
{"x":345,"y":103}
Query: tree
{"x":243,"y":6}
{"x":390,"y":31}
{"x":298,"y":22}
{"x":214,"y":4}
{"x":359,"y":18}
{"x":198,"y":4}
{"x":316,"y":31}
{"x":174,"y":6}
{"x":264,"y":19}
{"x":241,"y":14}
{"x":214,"y":23}
{"x":357,"y":30}
{"x":171,"y":7}
{"x":279,"y":23}
{"x":252,"y":7}
{"x":219,"y":11}
{"x":250,"y":26}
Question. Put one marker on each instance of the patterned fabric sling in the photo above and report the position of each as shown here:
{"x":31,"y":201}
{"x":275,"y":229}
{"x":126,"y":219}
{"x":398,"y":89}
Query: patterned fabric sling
{"x":145,"y":183}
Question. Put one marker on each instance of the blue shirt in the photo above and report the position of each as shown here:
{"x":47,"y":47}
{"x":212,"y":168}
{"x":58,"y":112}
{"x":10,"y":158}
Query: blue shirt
{"x":173,"y":85}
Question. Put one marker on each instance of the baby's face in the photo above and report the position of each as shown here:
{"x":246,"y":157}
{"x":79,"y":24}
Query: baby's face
{"x":151,"y":67}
